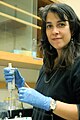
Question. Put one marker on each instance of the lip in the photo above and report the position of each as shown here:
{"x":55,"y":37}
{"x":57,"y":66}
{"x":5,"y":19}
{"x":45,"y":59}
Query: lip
{"x":56,"y":38}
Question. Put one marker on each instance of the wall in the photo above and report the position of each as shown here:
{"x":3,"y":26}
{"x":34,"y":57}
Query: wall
{"x":75,"y":4}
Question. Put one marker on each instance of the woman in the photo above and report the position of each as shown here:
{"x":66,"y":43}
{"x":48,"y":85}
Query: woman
{"x":57,"y":92}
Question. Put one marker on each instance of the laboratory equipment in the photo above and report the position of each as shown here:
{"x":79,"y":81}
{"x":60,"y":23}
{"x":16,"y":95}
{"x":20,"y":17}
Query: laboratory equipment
{"x":23,"y":118}
{"x":34,"y":48}
{"x":3,"y":110}
{"x":11,"y":87}
{"x":20,"y":114}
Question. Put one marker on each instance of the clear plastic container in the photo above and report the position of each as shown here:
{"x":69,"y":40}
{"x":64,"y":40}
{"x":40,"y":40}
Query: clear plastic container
{"x":34,"y":47}
{"x":3,"y":110}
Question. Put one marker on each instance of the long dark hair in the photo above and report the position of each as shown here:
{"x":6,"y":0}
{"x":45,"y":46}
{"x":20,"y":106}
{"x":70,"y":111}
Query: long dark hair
{"x":72,"y":50}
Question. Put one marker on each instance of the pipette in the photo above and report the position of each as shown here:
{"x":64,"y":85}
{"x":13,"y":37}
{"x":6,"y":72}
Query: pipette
{"x":11,"y":86}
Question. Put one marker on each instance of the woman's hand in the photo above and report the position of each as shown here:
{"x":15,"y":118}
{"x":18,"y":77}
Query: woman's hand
{"x":13,"y":73}
{"x":31,"y":96}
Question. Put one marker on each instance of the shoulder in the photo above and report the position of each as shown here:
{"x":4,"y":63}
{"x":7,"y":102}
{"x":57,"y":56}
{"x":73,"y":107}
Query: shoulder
{"x":42,"y":69}
{"x":75,"y":77}
{"x":41,"y":72}
{"x":76,"y":66}
{"x":77,"y":62}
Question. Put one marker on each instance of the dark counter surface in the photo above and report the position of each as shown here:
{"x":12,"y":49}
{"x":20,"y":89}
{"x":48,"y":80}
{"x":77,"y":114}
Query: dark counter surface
{"x":25,"y":112}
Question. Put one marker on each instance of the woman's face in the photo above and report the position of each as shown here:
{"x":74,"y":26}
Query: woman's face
{"x":58,"y":32}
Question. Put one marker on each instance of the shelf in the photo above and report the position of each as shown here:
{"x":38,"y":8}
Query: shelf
{"x":19,"y":60}
{"x":3,"y":84}
{"x":10,"y":25}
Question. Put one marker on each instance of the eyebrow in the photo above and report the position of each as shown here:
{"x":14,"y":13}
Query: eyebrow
{"x":48,"y":22}
{"x":57,"y":21}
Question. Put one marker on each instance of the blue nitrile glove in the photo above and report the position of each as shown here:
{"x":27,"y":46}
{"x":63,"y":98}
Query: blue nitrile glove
{"x":13,"y":73}
{"x":31,"y":96}
{"x":19,"y":80}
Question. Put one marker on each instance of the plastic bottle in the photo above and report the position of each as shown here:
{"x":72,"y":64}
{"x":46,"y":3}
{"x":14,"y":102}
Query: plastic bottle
{"x":34,"y":48}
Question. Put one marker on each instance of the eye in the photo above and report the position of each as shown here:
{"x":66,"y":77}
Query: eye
{"x":61,"y":24}
{"x":49,"y":26}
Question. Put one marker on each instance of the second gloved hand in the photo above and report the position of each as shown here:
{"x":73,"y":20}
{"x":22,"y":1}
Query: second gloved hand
{"x":10,"y":75}
{"x":31,"y":96}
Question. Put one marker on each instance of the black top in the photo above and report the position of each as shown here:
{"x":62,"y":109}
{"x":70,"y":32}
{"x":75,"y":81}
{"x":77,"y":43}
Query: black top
{"x":62,"y":85}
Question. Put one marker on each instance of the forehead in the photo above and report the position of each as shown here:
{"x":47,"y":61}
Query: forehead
{"x":52,"y":16}
{"x":56,"y":15}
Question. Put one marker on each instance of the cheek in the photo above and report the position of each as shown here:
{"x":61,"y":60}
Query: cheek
{"x":67,"y":35}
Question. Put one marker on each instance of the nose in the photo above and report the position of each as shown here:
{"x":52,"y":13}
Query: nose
{"x":55,"y":30}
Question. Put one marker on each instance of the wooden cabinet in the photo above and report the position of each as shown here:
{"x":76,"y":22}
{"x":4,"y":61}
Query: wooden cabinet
{"x":16,"y":33}
{"x":19,"y":60}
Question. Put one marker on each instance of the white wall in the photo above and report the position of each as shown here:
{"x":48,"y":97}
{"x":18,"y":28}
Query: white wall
{"x":75,"y":4}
